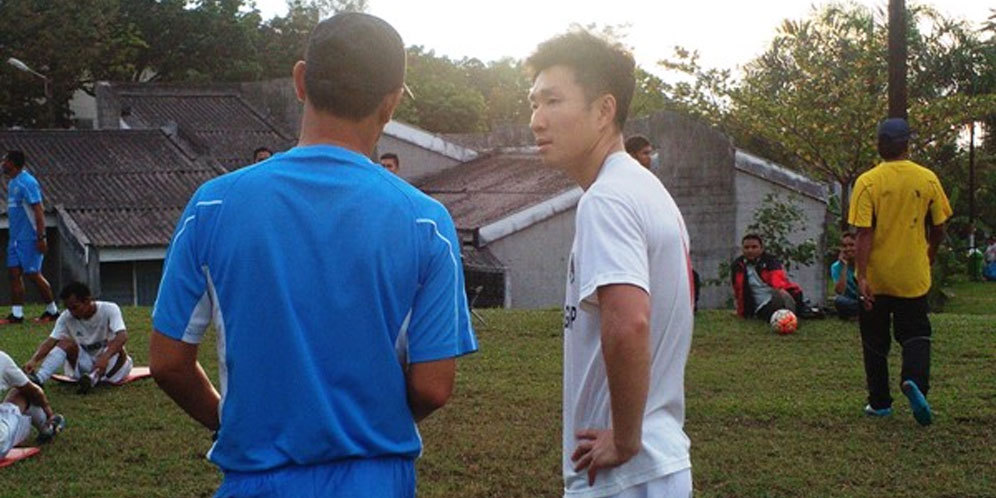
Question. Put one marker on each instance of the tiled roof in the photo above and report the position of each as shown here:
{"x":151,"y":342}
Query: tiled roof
{"x":125,"y":188}
{"x":117,"y":227}
{"x":215,"y":118}
{"x":493,"y":187}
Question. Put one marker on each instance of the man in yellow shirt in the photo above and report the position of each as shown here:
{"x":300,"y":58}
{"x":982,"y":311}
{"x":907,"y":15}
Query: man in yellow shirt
{"x":899,"y":209}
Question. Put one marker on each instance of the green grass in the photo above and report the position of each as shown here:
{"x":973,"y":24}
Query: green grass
{"x":767,"y":415}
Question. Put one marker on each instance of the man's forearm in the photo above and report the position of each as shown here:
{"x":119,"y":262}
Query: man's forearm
{"x":39,"y":212}
{"x":934,"y":241}
{"x":115,"y":346}
{"x":862,"y":246}
{"x":43,"y":349}
{"x":174,"y":366}
{"x":625,"y":332}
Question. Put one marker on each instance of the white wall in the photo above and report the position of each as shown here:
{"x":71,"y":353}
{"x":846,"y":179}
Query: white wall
{"x":416,"y":162}
{"x":536,"y":258}
{"x":750,"y":192}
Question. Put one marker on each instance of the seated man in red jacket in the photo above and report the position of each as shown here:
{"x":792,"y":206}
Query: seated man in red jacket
{"x":760,"y":284}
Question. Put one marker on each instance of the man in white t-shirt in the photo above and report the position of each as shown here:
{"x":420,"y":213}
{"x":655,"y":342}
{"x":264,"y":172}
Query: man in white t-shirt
{"x":24,"y":405}
{"x":88,"y":338}
{"x":628,"y":310}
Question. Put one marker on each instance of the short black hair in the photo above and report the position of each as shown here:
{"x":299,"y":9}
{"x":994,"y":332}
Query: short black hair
{"x":636,"y":143}
{"x":16,"y":157}
{"x":891,"y":150}
{"x":353,"y":61}
{"x":391,"y":155}
{"x":78,"y":289}
{"x":260,"y":149}
{"x":599,"y":66}
{"x":752,"y":236}
{"x":848,"y":235}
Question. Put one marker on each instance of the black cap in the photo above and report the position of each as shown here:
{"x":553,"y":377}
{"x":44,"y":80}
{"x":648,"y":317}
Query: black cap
{"x":895,"y":130}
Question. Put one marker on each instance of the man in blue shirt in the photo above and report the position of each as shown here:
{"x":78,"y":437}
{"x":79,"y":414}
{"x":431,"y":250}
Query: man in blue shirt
{"x":26,"y":246}
{"x":335,"y":287}
{"x":845,"y":285}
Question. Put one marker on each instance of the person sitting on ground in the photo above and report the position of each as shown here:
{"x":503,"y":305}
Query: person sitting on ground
{"x":24,"y":405}
{"x":640,"y":148}
{"x":989,"y":270}
{"x":847,"y":302}
{"x":760,"y":284}
{"x":90,"y":335}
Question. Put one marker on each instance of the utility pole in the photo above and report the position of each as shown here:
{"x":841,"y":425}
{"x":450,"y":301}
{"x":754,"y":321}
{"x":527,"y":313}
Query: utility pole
{"x":897,"y":59}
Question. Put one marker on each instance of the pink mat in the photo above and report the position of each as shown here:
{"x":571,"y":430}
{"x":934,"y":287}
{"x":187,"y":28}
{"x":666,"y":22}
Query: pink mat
{"x":136,"y":373}
{"x":18,"y":454}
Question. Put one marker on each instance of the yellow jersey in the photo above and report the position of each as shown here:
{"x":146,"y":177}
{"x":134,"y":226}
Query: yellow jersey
{"x":897,"y":199}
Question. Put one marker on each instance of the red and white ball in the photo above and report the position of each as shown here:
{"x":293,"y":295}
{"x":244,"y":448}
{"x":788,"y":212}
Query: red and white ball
{"x":784,"y":322}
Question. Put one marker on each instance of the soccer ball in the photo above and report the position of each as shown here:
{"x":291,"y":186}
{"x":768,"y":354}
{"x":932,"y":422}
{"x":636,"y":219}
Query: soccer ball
{"x":784,"y":322}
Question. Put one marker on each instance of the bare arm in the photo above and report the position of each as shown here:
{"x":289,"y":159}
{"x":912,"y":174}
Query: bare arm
{"x":43,"y":349}
{"x":430,"y":385}
{"x":863,"y":247}
{"x":39,"y":212}
{"x":625,"y":326}
{"x":934,"y":239}
{"x":174,"y":366}
{"x":114,"y":347}
{"x":35,"y":396}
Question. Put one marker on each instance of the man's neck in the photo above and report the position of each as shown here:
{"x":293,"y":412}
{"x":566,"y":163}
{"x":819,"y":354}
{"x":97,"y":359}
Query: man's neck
{"x":321,"y":128}
{"x":586,"y":171}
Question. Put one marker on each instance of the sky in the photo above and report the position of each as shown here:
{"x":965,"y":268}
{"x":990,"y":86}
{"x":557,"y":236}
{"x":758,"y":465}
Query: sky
{"x":726,"y":33}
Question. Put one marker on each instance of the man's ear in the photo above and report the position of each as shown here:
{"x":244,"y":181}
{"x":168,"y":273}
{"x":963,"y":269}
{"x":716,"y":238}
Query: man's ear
{"x":389,"y":104}
{"x":298,"y":73}
{"x":606,"y":110}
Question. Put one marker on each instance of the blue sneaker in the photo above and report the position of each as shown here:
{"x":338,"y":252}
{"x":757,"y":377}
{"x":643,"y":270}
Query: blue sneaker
{"x":921,"y":410}
{"x":881,"y":412}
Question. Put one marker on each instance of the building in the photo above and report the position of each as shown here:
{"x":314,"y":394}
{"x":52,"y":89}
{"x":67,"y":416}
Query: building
{"x":112,"y":199}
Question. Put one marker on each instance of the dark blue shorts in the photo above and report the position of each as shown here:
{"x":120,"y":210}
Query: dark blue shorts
{"x":24,"y":254}
{"x":361,"y":478}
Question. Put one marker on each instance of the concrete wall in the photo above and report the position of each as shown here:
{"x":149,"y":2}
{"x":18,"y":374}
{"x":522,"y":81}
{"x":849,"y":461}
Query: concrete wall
{"x":536,"y":259}
{"x":416,"y":162}
{"x":750,"y":193}
{"x":696,"y":167}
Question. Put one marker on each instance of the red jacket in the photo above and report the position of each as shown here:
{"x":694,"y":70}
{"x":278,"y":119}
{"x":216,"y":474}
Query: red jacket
{"x":771,"y":272}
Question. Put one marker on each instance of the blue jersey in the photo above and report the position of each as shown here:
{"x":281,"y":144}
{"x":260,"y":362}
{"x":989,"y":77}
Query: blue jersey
{"x":23,"y":191}
{"x":325,"y":275}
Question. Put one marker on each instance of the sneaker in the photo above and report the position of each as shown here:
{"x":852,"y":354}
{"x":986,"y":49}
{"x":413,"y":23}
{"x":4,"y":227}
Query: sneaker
{"x":11,"y":319}
{"x":47,"y":317}
{"x":52,"y":428}
{"x":33,"y":377}
{"x":921,"y":409}
{"x":85,"y":383}
{"x":881,"y":412}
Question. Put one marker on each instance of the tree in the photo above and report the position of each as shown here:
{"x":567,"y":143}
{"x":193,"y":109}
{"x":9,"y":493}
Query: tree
{"x":813,"y":99}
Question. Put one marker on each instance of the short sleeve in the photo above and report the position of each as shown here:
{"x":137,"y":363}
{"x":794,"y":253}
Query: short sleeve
{"x":182,"y":309}
{"x":440,"y":325}
{"x":610,"y":246}
{"x":32,"y":192}
{"x":940,"y":208}
{"x":12,"y":375}
{"x":835,"y":271}
{"x":115,"y":321}
{"x":59,"y":330}
{"x":862,"y":210}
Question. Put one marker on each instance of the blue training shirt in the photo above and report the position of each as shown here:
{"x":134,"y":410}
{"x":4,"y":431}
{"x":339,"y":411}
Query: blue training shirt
{"x":23,"y":191}
{"x":324,"y":275}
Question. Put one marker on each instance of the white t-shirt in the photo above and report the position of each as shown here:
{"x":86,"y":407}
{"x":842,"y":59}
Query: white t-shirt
{"x":628,"y":231}
{"x":93,"y":334}
{"x":10,"y":374}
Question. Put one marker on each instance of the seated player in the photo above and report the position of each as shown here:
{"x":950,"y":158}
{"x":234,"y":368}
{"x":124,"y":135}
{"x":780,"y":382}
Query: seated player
{"x":89,"y":338}
{"x":24,"y":405}
{"x":845,"y":284}
{"x":761,"y":286}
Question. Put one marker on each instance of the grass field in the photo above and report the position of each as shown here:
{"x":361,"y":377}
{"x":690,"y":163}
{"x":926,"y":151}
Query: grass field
{"x":767,"y":416}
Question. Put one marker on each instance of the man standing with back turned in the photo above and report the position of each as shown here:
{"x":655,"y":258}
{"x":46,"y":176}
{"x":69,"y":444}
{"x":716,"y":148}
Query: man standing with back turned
{"x":893,"y":206}
{"x":339,"y":306}
{"x":628,"y":310}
